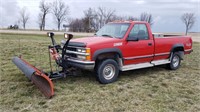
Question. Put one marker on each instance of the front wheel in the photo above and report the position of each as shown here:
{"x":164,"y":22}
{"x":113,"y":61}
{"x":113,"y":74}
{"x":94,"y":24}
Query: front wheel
{"x":175,"y":62}
{"x":107,"y":71}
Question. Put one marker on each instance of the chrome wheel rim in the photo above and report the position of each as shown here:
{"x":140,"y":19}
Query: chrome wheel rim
{"x":109,"y":71}
{"x":175,"y":61}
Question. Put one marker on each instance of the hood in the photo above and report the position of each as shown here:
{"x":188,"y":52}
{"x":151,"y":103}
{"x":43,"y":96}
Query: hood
{"x":90,"y":41}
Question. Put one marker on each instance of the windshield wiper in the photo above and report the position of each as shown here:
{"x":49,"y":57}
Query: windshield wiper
{"x":105,"y":35}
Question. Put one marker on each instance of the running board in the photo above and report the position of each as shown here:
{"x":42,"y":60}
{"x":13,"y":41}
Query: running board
{"x":160,"y":62}
{"x":144,"y":65}
{"x":136,"y":66}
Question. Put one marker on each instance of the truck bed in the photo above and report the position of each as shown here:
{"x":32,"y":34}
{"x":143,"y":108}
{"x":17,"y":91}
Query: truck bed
{"x":160,"y":35}
{"x":164,"y":45}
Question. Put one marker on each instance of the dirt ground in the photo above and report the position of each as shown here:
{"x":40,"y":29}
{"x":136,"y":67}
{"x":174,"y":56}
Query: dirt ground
{"x":195,"y":36}
{"x":43,"y":32}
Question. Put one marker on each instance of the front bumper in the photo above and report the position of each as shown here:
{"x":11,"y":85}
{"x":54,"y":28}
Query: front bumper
{"x":86,"y":65}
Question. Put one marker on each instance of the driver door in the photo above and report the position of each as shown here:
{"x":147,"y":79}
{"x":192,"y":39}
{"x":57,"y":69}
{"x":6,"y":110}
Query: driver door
{"x":139,"y":47}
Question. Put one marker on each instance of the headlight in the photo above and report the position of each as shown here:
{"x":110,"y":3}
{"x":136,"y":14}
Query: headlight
{"x":85,"y":53}
{"x":81,"y":50}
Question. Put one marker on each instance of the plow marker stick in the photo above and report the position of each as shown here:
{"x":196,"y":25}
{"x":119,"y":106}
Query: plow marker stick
{"x":42,"y":81}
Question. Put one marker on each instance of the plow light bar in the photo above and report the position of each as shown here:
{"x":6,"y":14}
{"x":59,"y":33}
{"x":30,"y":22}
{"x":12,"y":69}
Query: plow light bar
{"x":68,"y":36}
{"x":50,"y":34}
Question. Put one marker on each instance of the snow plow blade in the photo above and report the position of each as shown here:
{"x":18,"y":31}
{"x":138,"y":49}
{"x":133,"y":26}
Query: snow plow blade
{"x":40,"y":79}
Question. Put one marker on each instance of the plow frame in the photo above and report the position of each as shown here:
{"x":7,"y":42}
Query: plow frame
{"x":41,"y":79}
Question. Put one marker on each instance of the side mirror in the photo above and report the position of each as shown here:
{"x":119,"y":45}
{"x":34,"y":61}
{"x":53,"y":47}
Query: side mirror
{"x":68,"y":36}
{"x":132,"y":39}
{"x":50,"y":34}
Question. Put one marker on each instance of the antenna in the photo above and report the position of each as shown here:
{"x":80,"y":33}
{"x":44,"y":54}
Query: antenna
{"x":19,"y":47}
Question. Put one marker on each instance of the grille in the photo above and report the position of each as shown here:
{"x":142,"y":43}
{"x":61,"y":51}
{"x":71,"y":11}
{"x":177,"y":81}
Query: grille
{"x":70,"y":54}
{"x":71,"y":48}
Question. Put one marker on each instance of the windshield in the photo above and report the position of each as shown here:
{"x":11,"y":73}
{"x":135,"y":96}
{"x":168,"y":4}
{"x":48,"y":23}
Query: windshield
{"x":115,"y":30}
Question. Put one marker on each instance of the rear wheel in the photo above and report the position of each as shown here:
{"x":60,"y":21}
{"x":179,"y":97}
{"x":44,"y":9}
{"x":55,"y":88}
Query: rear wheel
{"x":175,"y":62}
{"x":107,"y":71}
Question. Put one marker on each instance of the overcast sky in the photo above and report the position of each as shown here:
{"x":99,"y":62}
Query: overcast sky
{"x":166,"y":13}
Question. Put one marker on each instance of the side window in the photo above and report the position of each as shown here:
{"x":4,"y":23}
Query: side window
{"x":139,"y":31}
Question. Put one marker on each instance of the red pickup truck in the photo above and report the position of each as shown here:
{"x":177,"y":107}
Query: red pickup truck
{"x":126,"y":45}
{"x":118,"y":46}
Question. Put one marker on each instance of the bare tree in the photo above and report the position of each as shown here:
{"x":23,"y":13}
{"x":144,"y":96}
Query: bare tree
{"x":60,"y":11}
{"x":146,"y":17}
{"x":24,"y":17}
{"x":76,"y":25}
{"x":88,"y":20}
{"x":189,"y":20}
{"x":105,"y":15}
{"x":132,"y":18}
{"x":126,"y":18}
{"x":40,"y":21}
{"x":45,"y":9}
{"x":93,"y":19}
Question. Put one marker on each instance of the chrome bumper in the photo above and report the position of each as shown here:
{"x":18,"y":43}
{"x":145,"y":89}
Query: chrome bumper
{"x":87,"y":65}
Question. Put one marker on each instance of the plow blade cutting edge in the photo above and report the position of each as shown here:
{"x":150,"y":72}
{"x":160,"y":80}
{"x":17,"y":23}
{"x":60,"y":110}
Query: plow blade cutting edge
{"x":40,"y":79}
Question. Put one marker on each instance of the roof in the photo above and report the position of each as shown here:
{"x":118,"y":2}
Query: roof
{"x":130,"y":21}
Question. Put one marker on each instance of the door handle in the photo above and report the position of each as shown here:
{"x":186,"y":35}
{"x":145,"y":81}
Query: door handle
{"x":149,"y":44}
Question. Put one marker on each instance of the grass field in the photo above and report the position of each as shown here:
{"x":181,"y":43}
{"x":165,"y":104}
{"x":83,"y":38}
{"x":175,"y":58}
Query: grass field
{"x":152,"y":89}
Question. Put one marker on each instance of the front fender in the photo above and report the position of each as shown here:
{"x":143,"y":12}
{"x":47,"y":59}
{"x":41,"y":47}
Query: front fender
{"x":107,"y":50}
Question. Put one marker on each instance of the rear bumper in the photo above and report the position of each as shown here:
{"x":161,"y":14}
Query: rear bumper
{"x":87,"y":65}
{"x":188,"y":51}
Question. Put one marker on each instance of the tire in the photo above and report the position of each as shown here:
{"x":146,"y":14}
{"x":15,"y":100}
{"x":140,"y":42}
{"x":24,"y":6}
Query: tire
{"x":175,"y":62}
{"x":107,"y":71}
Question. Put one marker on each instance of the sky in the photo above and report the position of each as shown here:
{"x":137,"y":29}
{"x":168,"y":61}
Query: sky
{"x":166,"y":13}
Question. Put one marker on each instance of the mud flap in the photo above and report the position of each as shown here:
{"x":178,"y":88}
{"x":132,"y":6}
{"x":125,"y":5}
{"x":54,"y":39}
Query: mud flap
{"x":40,"y":79}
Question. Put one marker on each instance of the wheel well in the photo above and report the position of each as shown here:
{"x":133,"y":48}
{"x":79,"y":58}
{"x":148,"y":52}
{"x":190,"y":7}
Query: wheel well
{"x":112,"y":55}
{"x":178,"y":49}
